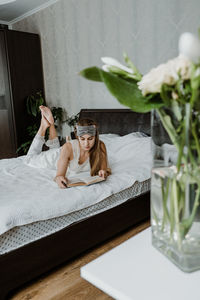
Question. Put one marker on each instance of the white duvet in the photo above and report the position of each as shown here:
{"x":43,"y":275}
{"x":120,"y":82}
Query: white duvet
{"x":29,"y":194}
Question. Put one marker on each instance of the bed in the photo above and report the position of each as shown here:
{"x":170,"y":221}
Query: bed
{"x":22,"y":263}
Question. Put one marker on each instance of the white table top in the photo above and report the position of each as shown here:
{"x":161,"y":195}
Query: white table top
{"x":136,"y":270}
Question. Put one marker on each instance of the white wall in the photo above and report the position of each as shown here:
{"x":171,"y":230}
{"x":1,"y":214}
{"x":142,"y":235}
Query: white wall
{"x":76,"y":33}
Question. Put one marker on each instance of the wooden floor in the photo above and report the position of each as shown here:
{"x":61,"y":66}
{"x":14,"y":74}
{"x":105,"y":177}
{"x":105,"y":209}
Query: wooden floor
{"x":65,"y":283}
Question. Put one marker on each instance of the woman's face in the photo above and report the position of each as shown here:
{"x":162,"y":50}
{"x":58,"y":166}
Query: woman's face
{"x":86,"y":141}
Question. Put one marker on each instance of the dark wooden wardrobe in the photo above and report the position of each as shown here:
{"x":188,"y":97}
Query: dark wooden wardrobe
{"x":21,"y":75}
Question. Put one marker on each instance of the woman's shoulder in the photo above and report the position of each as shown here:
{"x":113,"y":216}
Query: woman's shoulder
{"x":71,"y":143}
{"x":67,"y":147}
{"x":67,"y":150}
{"x":75,"y":144}
{"x":75,"y":147}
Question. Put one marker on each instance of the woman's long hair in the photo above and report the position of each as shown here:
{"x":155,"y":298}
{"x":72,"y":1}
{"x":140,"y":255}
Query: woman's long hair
{"x":97,"y":152}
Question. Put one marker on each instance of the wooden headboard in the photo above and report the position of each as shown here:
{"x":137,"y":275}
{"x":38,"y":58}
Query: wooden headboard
{"x":120,"y":121}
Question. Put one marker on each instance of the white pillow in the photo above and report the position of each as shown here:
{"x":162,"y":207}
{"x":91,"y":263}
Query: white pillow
{"x":107,"y":137}
{"x":124,"y":147}
{"x":112,"y":138}
{"x":139,"y":134}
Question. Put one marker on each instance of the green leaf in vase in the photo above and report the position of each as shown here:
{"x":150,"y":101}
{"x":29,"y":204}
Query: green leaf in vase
{"x":91,"y":73}
{"x":129,"y":63}
{"x":195,"y":84}
{"x":186,"y":224}
{"x":176,"y":110}
{"x":165,"y":94}
{"x":126,"y":92}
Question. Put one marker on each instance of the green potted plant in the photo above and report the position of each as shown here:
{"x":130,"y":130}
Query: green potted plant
{"x":58,"y":114}
{"x":33,"y":103}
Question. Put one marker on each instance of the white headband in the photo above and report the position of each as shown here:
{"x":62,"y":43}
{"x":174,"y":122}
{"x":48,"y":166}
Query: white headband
{"x":81,"y":130}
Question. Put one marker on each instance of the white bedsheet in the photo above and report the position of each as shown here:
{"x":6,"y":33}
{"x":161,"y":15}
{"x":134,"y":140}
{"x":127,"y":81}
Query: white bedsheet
{"x":29,"y":194}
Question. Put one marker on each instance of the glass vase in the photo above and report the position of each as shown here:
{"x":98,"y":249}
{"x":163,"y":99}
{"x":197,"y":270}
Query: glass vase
{"x":175,"y":189}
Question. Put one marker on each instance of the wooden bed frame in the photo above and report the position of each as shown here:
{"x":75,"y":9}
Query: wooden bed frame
{"x":30,"y":261}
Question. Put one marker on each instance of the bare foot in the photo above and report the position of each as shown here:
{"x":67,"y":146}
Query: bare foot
{"x":44,"y":122}
{"x":43,"y":126}
{"x":46,"y":112}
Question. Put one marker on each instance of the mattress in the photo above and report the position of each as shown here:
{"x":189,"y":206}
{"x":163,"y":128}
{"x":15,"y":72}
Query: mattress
{"x":22,"y":235}
{"x":32,"y":195}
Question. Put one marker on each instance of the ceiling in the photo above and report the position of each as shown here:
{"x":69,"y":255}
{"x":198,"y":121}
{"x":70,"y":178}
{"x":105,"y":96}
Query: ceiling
{"x":14,"y":10}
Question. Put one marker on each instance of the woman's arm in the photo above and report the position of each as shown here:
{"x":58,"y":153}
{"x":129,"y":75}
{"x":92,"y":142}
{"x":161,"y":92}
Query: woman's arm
{"x":104,"y":170}
{"x":62,"y":165}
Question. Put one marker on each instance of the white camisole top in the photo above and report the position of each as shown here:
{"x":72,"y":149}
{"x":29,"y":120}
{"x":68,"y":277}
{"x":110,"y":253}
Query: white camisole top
{"x":74,"y":166}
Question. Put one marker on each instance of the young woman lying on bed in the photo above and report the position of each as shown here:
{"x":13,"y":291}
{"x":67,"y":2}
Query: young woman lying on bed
{"x":85,"y":153}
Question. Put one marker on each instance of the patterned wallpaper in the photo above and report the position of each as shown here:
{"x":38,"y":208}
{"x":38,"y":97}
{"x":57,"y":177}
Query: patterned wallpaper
{"x":76,"y":33}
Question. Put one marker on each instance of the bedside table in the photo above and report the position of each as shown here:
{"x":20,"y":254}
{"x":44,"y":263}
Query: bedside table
{"x":135,"y":270}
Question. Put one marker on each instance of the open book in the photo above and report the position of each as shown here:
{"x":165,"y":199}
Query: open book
{"x":84,"y":181}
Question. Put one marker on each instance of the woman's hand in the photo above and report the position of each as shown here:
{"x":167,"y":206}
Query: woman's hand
{"x":102,"y":173}
{"x":61,"y":181}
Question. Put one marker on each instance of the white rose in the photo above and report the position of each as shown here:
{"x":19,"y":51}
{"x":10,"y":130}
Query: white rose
{"x":189,"y":46}
{"x":152,"y":82}
{"x":165,"y":74}
{"x":183,"y":65}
